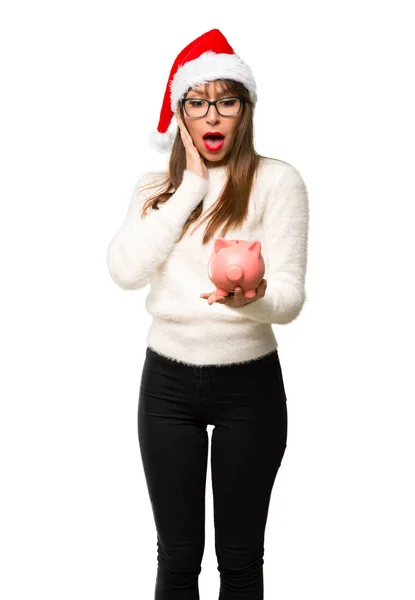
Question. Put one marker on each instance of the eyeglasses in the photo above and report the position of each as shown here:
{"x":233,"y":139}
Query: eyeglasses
{"x":195,"y":108}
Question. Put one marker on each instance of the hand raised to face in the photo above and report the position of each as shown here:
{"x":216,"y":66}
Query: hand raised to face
{"x":194,"y":161}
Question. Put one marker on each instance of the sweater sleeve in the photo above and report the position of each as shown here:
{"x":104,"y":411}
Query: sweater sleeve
{"x":142,"y":245}
{"x":285,"y":223}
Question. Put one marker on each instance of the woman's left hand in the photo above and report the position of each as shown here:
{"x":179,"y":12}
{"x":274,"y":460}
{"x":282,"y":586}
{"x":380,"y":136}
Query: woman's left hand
{"x":238,"y":299}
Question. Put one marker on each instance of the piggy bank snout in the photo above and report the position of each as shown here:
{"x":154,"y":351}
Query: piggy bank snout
{"x":236,"y":263}
{"x":234,"y":273}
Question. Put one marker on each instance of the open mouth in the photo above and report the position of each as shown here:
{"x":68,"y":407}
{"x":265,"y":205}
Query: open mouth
{"x":213,"y":141}
{"x":213,"y":136}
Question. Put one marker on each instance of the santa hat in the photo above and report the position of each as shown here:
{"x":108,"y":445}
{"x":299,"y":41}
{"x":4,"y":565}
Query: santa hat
{"x":207,"y":58}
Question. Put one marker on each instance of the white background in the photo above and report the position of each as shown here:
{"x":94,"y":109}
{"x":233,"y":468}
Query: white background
{"x":82,"y":87}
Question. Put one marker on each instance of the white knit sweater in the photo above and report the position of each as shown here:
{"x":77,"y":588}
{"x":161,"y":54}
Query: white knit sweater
{"x":185,"y":327}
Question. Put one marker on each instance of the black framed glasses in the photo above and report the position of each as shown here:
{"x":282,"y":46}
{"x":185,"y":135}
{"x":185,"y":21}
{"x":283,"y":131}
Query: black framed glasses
{"x":195,"y":108}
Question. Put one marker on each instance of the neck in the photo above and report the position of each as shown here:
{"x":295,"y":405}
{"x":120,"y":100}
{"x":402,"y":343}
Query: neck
{"x":215,"y":164}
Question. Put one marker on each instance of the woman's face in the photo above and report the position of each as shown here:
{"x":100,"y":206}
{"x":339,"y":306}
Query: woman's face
{"x":212,"y":122}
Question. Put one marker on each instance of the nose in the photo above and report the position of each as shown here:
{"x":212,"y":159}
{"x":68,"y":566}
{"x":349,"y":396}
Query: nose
{"x":212,"y":116}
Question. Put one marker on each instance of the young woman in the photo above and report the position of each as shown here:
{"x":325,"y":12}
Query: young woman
{"x":212,"y":359}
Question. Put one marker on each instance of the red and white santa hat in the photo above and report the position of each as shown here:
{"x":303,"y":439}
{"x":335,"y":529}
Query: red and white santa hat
{"x":207,"y":58}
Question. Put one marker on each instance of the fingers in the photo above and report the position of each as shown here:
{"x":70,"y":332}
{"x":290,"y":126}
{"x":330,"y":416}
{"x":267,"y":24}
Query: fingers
{"x":187,"y":140}
{"x":182,"y":128}
{"x":186,"y":137}
{"x":183,"y":131}
{"x":260,"y":290}
{"x":238,"y":293}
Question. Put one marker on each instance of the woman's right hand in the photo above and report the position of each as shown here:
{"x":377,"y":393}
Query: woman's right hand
{"x":194,"y":161}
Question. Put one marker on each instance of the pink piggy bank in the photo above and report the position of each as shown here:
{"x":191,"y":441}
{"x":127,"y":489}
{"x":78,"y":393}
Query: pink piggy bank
{"x":236,"y":263}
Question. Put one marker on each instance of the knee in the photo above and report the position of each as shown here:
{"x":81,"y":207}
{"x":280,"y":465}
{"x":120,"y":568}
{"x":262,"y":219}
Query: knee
{"x":241,"y":573}
{"x":180,"y":565}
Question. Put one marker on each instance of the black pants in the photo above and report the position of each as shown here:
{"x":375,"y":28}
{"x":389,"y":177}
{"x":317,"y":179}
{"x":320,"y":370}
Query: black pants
{"x":246,"y":403}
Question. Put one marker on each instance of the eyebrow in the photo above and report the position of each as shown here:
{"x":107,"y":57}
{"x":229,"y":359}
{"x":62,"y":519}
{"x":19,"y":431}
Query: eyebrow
{"x":220,"y":95}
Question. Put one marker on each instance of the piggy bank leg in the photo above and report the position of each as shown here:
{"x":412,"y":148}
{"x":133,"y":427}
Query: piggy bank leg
{"x":220,"y":292}
{"x":249,"y":293}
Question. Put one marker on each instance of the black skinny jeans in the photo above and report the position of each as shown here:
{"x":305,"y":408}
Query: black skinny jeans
{"x":247,"y":405}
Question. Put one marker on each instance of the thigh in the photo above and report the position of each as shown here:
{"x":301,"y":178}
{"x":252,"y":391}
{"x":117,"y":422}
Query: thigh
{"x":174,"y":449}
{"x":248,"y":444}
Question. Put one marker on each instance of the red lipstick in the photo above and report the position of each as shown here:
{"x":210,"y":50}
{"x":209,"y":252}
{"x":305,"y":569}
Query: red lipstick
{"x":213,"y":140}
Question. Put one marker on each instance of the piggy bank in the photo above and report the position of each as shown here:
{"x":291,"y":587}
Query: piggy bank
{"x":236,"y":263}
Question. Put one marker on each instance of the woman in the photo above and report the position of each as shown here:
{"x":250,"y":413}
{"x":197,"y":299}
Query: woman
{"x":212,"y":359}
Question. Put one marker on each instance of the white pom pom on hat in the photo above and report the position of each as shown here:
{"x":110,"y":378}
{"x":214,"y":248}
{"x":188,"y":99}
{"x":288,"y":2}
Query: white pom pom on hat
{"x":207,"y":58}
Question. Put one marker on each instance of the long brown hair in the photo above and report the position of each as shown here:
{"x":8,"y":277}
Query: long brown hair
{"x":232,"y":206}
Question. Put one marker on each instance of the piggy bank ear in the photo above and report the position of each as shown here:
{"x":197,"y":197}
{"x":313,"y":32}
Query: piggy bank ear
{"x":255,"y":247}
{"x":219,"y":244}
